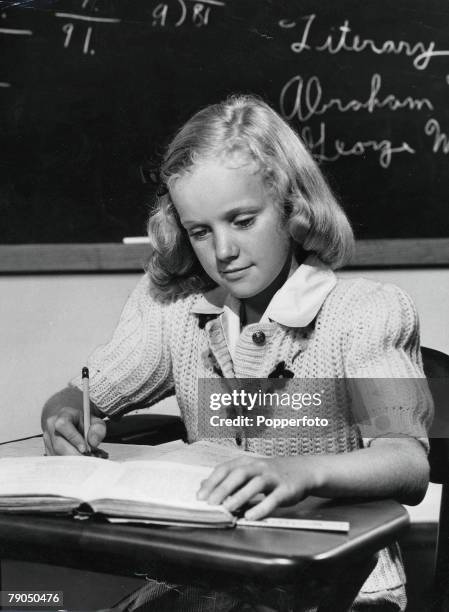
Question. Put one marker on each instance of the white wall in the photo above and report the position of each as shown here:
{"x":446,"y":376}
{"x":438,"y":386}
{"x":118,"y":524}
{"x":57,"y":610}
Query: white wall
{"x":50,"y":323}
{"x":429,"y":289}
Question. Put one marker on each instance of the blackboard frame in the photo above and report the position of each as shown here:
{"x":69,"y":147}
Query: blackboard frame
{"x":116,"y":257}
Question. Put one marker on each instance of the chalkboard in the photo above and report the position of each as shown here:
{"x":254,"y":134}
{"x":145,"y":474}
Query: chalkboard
{"x":91,"y":90}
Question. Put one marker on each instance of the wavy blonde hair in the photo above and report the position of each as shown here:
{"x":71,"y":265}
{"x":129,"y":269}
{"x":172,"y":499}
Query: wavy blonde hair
{"x":246,"y":125}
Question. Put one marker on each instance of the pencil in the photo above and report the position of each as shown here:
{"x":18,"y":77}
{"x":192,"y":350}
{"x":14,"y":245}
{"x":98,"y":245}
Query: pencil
{"x":86,"y":405}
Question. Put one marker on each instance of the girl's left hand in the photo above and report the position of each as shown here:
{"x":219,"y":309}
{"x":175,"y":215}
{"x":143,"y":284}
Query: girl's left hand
{"x":283,"y":480}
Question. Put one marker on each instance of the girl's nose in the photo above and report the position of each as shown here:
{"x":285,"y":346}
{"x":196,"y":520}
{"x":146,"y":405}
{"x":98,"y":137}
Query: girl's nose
{"x":225,"y":246}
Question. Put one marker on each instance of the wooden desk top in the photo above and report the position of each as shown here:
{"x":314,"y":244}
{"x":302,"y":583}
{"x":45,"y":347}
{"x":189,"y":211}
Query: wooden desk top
{"x":270,"y":554}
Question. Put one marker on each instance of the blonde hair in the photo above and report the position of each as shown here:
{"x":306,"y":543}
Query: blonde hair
{"x":245,"y":124}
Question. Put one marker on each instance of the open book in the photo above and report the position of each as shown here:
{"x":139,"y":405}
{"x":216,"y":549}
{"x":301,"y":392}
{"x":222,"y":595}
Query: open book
{"x":160,"y":491}
{"x":153,"y":484}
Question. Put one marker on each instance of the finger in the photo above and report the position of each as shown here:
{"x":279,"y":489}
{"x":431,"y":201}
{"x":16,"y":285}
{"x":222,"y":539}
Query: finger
{"x":65,"y":431}
{"x":52,"y":446}
{"x":221,"y":472}
{"x":224,"y":469}
{"x":97,"y":432}
{"x":266,"y":506}
{"x":256,"y":485}
{"x":48,"y":446}
{"x":235,"y":480}
{"x":62,"y":446}
{"x":213,"y":480}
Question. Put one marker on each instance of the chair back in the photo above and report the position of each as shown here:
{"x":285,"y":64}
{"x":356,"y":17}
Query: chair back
{"x":436,"y":366}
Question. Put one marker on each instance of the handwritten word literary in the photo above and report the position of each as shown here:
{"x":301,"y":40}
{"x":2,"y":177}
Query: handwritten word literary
{"x":420,"y":51}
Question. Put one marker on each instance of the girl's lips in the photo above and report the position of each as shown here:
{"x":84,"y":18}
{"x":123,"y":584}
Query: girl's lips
{"x":234,"y":271}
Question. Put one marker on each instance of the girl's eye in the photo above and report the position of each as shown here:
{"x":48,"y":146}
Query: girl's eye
{"x":245,"y":222}
{"x":198,"y":234}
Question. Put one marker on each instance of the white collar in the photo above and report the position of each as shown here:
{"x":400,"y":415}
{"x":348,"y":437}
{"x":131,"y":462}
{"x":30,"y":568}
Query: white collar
{"x":296,"y":304}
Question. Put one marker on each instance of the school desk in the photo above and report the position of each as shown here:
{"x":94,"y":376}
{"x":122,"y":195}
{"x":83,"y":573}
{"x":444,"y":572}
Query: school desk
{"x":335,"y":563}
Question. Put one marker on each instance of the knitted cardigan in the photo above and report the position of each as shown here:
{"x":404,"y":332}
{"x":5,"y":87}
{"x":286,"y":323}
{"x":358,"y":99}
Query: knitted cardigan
{"x":363,"y":330}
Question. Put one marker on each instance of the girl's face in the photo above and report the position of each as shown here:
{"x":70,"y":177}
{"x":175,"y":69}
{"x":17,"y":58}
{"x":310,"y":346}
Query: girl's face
{"x":233,"y":225}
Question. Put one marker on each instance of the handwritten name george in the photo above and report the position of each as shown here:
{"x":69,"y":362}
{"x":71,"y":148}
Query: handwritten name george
{"x":322,"y":151}
{"x":345,"y":41}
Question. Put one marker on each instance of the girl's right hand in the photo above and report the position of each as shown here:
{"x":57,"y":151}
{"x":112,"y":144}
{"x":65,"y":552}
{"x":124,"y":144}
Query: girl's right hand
{"x":63,"y":432}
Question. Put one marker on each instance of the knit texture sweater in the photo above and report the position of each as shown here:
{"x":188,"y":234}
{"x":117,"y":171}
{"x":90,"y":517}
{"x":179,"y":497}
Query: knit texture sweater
{"x":364,"y":330}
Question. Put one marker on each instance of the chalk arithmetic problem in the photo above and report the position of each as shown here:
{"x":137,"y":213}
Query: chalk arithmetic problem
{"x":186,"y":11}
{"x":91,"y":89}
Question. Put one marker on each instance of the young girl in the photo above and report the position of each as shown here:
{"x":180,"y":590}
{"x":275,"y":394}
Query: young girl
{"x":245,"y":238}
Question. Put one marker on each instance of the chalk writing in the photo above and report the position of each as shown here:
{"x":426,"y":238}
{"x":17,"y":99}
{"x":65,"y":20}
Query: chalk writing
{"x":308,"y":99}
{"x":367,"y":89}
{"x":87,"y":41}
{"x":189,"y":11}
{"x":262,"y":34}
{"x":441,"y":140}
{"x":284,"y":23}
{"x":421,"y":52}
{"x":85,"y":3}
{"x":200,"y":14}
{"x":211,"y":2}
{"x":160,"y":14}
{"x":88,"y":18}
{"x":16,"y":32}
{"x":12,"y":32}
{"x":320,"y":148}
{"x":69,"y":28}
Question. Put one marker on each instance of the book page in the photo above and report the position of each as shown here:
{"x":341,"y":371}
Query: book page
{"x":158,"y":482}
{"x":134,"y":452}
{"x":173,"y":480}
{"x":62,"y":476}
{"x":198,"y":453}
{"x":204,"y":453}
{"x":34,"y":447}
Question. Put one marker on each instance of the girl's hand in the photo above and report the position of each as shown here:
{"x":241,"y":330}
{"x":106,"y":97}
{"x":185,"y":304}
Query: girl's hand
{"x":63,"y":432}
{"x":283,"y":480}
{"x":390,"y":467}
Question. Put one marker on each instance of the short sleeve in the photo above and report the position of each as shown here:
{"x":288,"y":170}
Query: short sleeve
{"x":135,"y":365}
{"x":390,"y":393}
